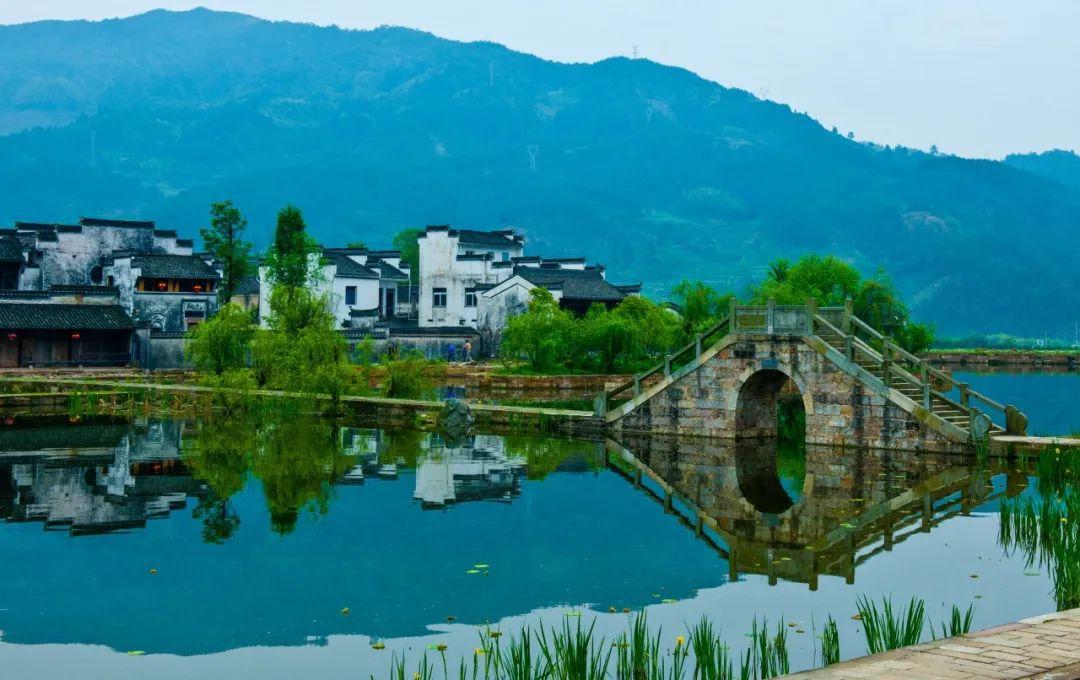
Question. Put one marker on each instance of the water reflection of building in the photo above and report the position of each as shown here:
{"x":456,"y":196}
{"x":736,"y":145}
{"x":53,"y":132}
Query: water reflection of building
{"x":853,"y":505}
{"x":93,"y":477}
{"x":476,"y":470}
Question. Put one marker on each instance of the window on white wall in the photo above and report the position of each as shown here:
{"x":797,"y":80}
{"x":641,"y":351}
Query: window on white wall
{"x":470,"y":298}
{"x":505,"y":256}
{"x":438,"y":297}
{"x":350,"y":295}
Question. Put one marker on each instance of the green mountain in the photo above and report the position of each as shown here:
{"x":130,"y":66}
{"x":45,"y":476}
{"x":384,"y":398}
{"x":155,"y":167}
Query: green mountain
{"x":1058,"y":165}
{"x":650,"y":169}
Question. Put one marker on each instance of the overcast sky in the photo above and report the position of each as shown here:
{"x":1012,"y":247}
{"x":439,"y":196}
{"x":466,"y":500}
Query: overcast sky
{"x":975,"y":77}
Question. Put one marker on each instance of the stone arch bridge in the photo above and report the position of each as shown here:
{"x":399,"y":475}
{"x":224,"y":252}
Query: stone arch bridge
{"x":857,"y":387}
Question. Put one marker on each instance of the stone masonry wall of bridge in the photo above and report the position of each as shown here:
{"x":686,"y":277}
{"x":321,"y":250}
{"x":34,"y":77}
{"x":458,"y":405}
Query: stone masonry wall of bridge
{"x":843,"y":408}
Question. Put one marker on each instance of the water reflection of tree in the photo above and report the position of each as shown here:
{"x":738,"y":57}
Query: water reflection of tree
{"x":297,"y":461}
{"x":218,"y":455}
{"x":544,"y":456}
{"x":1046,"y":529}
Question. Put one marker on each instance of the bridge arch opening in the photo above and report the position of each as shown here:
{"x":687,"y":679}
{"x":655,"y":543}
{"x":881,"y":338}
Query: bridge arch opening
{"x":770,"y":406}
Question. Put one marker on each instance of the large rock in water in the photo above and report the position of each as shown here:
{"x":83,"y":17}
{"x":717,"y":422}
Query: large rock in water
{"x":456,"y":421}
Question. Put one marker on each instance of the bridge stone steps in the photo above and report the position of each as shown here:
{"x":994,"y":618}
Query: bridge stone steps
{"x":938,"y":406}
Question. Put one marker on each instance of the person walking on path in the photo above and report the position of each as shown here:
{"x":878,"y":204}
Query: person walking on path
{"x":468,"y":351}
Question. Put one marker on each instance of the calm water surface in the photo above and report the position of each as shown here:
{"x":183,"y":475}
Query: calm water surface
{"x":1050,"y":400}
{"x":178,"y":549}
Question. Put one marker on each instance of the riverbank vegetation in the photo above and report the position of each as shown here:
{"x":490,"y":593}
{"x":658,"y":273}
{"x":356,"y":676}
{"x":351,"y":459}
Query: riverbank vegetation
{"x":637,"y":333}
{"x":574,"y":650}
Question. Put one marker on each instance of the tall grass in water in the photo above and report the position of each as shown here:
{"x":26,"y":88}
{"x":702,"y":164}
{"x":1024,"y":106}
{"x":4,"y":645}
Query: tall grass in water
{"x":767,"y":656}
{"x":886,"y":628}
{"x":958,"y":624}
{"x":711,"y":658}
{"x":573,"y":654}
{"x":830,"y":643}
{"x":1046,"y":530}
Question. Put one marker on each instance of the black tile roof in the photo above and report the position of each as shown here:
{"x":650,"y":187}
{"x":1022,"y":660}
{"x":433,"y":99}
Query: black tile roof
{"x":575,"y":284}
{"x":347,"y":267}
{"x":249,"y":285}
{"x":85,"y":289}
{"x":388,"y":271}
{"x":173,"y":267}
{"x":17,"y":316}
{"x":495,"y":239}
{"x":104,"y":222}
{"x":165,"y":233}
{"x":185,"y":243}
{"x":10,"y":249}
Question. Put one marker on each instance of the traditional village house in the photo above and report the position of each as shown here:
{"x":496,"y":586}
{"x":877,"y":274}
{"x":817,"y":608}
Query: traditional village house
{"x":62,"y":268}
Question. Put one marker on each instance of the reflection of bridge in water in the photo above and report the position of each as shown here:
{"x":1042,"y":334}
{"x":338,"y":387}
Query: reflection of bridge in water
{"x":853,"y":503}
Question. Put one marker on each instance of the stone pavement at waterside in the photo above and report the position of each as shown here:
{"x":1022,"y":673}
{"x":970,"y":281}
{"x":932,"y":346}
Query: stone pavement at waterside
{"x":1042,"y":647}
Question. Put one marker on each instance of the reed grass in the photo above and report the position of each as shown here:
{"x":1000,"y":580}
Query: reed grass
{"x":1046,"y":530}
{"x":767,"y":656}
{"x":887,"y":628}
{"x":958,"y":624}
{"x":712,"y":661}
{"x":830,"y":643}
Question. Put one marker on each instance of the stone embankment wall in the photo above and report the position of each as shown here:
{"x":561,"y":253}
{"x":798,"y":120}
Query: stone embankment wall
{"x":1019,"y":359}
{"x":728,"y":396}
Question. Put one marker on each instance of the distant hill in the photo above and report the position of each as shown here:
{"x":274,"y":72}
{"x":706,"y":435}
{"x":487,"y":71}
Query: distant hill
{"x":652,"y":170}
{"x":1058,"y":165}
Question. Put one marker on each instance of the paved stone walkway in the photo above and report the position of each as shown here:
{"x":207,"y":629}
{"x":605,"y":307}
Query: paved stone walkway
{"x":1042,"y":647}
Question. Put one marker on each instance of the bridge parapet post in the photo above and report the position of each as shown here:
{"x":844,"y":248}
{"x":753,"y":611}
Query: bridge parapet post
{"x":924,"y":376}
{"x":886,"y":361}
{"x":811,"y":312}
{"x":849,"y":347}
{"x":697,"y":346}
{"x":667,"y":366}
{"x":849,"y":307}
{"x":637,"y":384}
{"x":965,"y":398}
{"x":770,"y":315}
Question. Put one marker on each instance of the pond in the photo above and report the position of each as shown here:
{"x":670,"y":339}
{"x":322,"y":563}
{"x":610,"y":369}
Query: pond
{"x":1051,"y":400}
{"x":171,"y":548}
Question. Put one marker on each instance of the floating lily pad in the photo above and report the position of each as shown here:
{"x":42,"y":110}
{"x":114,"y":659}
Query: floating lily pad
{"x":482,"y":566}
{"x":136,"y":652}
{"x":472,"y":571}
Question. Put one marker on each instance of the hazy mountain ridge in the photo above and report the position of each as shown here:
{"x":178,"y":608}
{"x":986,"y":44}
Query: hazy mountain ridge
{"x":650,"y":169}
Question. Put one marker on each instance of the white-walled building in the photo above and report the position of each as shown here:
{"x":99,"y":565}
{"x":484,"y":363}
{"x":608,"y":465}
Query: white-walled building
{"x":453,"y":264}
{"x":362,"y":284}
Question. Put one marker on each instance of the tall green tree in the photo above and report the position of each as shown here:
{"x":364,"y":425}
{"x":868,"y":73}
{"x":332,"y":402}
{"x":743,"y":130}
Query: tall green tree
{"x":406,"y":241}
{"x":220,"y":343}
{"x":224,"y":239}
{"x":701,"y":305}
{"x":289,"y":260}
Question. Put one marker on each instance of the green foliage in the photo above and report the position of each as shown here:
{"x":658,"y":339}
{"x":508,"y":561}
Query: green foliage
{"x":220,"y":343}
{"x":767,"y":656}
{"x":830,"y":643}
{"x":1047,"y":530}
{"x":289,"y":259}
{"x":632,"y":336}
{"x":959,"y":624}
{"x":541,"y":335}
{"x":574,"y":654}
{"x":302,"y":351}
{"x":712,"y":660}
{"x":701,"y":306}
{"x":830,"y":281}
{"x":224,"y":239}
{"x":406,"y":242}
{"x":887,"y":629}
{"x":408,"y":375}
{"x":297,"y":461}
